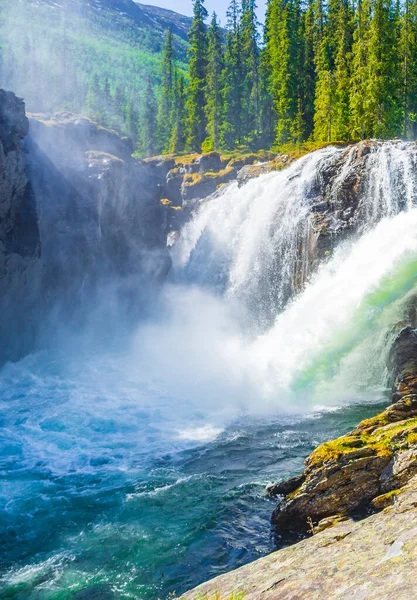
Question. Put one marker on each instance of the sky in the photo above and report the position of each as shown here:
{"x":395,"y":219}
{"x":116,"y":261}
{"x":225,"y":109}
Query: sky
{"x":220,"y":6}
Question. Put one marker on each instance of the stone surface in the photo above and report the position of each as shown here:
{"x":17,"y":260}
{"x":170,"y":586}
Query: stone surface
{"x":19,"y":233}
{"x":373,"y":559}
{"x":102,"y":219}
{"x":358,"y":469}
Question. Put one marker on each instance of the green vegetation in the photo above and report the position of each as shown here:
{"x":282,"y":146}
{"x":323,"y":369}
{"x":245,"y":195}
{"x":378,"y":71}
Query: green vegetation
{"x":325,"y":71}
{"x":377,"y":434}
{"x":71,"y":56}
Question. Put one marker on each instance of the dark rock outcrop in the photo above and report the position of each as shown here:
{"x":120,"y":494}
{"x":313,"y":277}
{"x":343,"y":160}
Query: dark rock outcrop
{"x":19,"y":233}
{"x":367,"y":466}
{"x":186,"y":179}
{"x":81,"y":225}
{"x":101,"y":217}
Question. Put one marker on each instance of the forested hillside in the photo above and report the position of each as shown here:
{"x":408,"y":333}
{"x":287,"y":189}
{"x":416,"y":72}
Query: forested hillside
{"x":321,"y":71}
{"x":86,"y":56}
{"x":324,"y":71}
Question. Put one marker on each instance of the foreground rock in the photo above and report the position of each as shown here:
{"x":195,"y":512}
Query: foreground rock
{"x":363,"y":468}
{"x":19,"y":233}
{"x":373,"y":559}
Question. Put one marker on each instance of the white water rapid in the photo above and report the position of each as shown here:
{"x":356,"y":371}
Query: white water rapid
{"x":140,"y":471}
{"x":232,"y":332}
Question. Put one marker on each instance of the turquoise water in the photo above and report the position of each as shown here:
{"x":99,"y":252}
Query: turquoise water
{"x":112,"y":489}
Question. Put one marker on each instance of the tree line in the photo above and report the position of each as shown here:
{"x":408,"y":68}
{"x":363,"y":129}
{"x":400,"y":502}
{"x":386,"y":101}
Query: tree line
{"x":335,"y":70}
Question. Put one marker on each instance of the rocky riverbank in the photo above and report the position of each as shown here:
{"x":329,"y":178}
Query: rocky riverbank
{"x":356,"y":499}
{"x":371,"y":559}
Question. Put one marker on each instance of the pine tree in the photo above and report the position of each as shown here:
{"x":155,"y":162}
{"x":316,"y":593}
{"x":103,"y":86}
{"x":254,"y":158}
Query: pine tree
{"x":282,"y":45}
{"x":165,"y":105}
{"x":408,"y":49}
{"x":147,"y":131}
{"x":215,"y":67}
{"x":309,"y":37}
{"x":178,"y":140}
{"x":383,"y":88}
{"x":232,"y":84}
{"x":359,"y":121}
{"x":250,"y":71}
{"x":196,"y":116}
{"x":342,"y":64}
{"x":267,"y":112}
{"x":324,"y":97}
{"x":331,"y":105}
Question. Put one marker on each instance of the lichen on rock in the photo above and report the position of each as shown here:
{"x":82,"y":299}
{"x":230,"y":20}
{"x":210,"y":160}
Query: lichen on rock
{"x":361,"y":468}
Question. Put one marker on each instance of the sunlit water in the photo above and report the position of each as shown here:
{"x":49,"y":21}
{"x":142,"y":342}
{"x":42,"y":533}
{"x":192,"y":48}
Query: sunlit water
{"x":138,"y":469}
{"x":113,"y":489}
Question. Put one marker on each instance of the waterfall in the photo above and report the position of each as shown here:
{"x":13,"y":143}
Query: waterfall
{"x":154,"y":449}
{"x":249,"y":243}
{"x":302,"y":325}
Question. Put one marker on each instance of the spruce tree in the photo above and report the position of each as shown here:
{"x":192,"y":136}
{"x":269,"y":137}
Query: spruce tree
{"x":358,"y":106}
{"x":309,"y":37}
{"x":331,"y":118}
{"x":250,"y":71}
{"x":147,"y":131}
{"x":408,"y":49}
{"x":282,"y":46}
{"x":383,"y":90}
{"x":232,"y":81}
{"x":165,"y":105}
{"x":196,"y":115}
{"x":342,"y":49}
{"x":178,"y":140}
{"x":267,"y":112}
{"x":215,"y":67}
{"x":324,"y":96}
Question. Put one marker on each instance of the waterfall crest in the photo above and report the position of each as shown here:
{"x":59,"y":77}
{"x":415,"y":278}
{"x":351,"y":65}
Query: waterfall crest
{"x":317,"y":263}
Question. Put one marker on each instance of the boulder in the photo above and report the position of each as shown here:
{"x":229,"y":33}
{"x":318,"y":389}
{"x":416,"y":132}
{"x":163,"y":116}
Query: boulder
{"x":373,"y":559}
{"x":362,"y":468}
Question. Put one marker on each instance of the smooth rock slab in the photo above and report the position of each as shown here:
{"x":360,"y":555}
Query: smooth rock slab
{"x":374,"y":559}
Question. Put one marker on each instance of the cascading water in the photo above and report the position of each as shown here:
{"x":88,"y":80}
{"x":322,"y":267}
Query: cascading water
{"x":135,"y":472}
{"x":249,"y":243}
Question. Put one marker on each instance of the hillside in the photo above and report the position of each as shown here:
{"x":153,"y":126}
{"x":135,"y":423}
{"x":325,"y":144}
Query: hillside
{"x":179,"y":24}
{"x":86,"y":56}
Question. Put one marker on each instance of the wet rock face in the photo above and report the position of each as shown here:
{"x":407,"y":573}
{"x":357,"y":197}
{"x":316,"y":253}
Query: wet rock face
{"x":19,"y":233}
{"x":101,"y":231}
{"x":102,"y":219}
{"x":365,"y":467}
{"x":402,"y":364}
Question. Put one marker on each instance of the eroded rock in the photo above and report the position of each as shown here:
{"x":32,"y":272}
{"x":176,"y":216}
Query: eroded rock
{"x":373,"y":559}
{"x":361,"y":468}
{"x":19,"y":234}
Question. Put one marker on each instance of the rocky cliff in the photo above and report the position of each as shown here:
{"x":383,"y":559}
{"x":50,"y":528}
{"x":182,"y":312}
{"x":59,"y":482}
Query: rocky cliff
{"x":19,"y":233}
{"x":365,"y":468}
{"x":82,"y":227}
{"x":101,"y":216}
{"x":356,"y":500}
{"x":373,"y":559}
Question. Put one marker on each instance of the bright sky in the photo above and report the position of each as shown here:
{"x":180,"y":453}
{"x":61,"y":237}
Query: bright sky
{"x":220,"y":6}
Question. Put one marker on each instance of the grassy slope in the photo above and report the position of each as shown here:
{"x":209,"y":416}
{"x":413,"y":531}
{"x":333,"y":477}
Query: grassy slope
{"x":54,"y":53}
